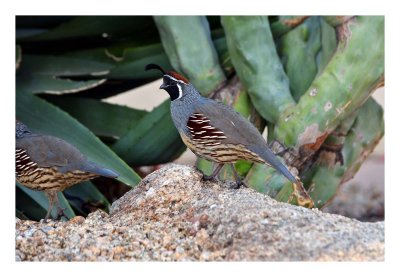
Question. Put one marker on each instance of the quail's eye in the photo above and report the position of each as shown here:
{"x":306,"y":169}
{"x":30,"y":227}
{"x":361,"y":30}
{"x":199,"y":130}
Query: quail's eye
{"x":168,"y":82}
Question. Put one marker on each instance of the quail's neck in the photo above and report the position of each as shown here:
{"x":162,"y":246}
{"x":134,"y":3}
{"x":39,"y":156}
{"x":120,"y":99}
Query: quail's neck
{"x":189,"y":97}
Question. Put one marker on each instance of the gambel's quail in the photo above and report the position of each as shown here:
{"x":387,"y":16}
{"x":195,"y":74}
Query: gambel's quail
{"x":50,"y":164}
{"x":216,"y":132}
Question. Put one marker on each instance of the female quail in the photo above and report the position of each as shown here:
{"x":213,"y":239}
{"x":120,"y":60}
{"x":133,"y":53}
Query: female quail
{"x":50,"y":164}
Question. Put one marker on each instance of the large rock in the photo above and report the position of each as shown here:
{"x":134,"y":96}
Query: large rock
{"x":173,"y":215}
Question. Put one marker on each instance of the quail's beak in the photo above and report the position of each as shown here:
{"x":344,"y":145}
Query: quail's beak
{"x":163,"y":86}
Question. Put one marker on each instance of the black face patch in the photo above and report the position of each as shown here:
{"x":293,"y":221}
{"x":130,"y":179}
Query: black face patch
{"x":168,"y":81}
{"x":172,"y":86}
{"x":173,"y":91}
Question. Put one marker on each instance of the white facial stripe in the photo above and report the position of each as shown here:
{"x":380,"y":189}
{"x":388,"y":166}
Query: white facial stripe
{"x":176,"y":80}
{"x":180,"y":91}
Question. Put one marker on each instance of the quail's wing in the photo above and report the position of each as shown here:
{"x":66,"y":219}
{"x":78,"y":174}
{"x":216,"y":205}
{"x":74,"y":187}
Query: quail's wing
{"x":48,"y":151}
{"x":237,"y":129}
{"x":215,"y":119}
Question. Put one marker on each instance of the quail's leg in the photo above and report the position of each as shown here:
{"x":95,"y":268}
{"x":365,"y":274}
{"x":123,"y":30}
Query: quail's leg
{"x":53,"y":199}
{"x":51,"y":196}
{"x":214,"y":174}
{"x":60,"y":211}
{"x":239,"y":181}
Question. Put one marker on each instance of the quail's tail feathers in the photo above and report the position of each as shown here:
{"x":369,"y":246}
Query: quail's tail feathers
{"x":96,"y":169}
{"x":267,"y":155}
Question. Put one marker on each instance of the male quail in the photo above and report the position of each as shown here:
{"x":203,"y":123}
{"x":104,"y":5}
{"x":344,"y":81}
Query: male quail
{"x":217,"y":133}
{"x":50,"y":164}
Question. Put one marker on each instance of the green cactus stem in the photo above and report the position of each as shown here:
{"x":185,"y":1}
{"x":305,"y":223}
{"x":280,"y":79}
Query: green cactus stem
{"x":286,"y":23}
{"x":344,"y":85}
{"x":361,"y":139}
{"x":187,"y":42}
{"x":254,"y":56}
{"x":337,"y":20}
{"x":298,"y":50}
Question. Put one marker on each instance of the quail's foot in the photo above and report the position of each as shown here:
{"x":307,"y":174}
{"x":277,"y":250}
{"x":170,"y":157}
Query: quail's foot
{"x":238,"y":184}
{"x":61,"y":213}
{"x":210,"y":178}
{"x":214,"y":174}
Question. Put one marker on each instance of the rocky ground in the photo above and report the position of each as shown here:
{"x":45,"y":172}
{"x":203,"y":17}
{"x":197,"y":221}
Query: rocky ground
{"x":173,"y":215}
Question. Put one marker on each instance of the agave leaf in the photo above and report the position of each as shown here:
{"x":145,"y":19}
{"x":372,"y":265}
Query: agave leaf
{"x":85,"y":194}
{"x":64,"y":66}
{"x":46,"y":118}
{"x":103,"y":119}
{"x":34,"y":21}
{"x":22,"y":33}
{"x":134,"y":68}
{"x":54,"y":85}
{"x":102,"y":28}
{"x":130,"y":62}
{"x":28,"y":26}
{"x":20,"y":215}
{"x":111,"y":88}
{"x":128,"y":59}
{"x":28,"y":207}
{"x":43,"y":73}
{"x":40,"y":198}
{"x":18,"y":56}
{"x":153,"y":140}
{"x":97,"y":54}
